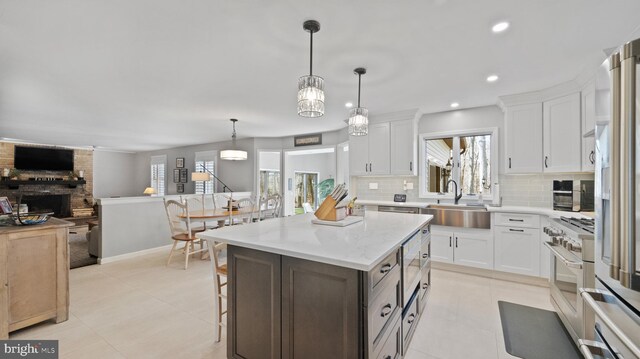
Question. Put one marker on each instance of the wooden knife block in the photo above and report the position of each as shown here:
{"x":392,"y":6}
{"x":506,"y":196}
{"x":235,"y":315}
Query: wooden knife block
{"x":328,"y":211}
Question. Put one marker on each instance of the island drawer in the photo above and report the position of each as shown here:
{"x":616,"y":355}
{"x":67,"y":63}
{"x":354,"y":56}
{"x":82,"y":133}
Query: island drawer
{"x":380,"y":312}
{"x":409,"y":321}
{"x":388,"y":267}
{"x":392,"y":347}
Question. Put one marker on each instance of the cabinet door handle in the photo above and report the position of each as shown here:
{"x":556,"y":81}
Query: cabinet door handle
{"x":385,"y":268}
{"x":386,"y":310}
{"x":509,"y":162}
{"x":388,"y":357}
{"x":515,"y":220}
{"x":370,"y":167}
{"x":592,"y":157}
{"x":516,"y":230}
{"x":450,"y":241}
{"x":411,"y":318}
{"x":410,"y":165}
{"x":546,"y":158}
{"x":425,"y":285}
{"x":456,"y":242}
{"x":425,"y":255}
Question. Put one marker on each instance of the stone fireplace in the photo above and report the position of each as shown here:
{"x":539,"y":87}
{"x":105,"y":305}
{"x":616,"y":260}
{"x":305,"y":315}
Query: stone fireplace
{"x":59,"y":204}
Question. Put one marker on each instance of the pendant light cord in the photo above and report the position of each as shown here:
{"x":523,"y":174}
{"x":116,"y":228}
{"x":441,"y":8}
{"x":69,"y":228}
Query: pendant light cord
{"x":359,"y":83}
{"x":311,"y":55}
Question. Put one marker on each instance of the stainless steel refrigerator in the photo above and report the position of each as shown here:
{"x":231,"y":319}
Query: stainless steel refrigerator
{"x":615,"y":301}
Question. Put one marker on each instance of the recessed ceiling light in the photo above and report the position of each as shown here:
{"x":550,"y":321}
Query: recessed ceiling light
{"x":500,"y":27}
{"x":492,"y":78}
{"x":454,"y":105}
{"x":348,"y":105}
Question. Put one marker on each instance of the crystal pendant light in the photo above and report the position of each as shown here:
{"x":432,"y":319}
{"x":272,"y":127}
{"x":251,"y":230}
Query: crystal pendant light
{"x":359,"y":116}
{"x":311,"y":88}
{"x":233,"y":154}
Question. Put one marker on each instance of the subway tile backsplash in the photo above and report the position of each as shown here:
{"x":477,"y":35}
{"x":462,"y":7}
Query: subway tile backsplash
{"x":516,"y":190}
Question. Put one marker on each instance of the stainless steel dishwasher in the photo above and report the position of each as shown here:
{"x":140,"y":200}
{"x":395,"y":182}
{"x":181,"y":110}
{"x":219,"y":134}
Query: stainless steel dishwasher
{"x":399,"y":209}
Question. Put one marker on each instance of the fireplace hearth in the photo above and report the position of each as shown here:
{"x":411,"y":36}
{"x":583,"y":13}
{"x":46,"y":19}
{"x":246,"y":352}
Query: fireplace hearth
{"x":59,"y":204}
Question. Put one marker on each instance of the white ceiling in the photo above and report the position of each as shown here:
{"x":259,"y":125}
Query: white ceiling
{"x":148,"y":74}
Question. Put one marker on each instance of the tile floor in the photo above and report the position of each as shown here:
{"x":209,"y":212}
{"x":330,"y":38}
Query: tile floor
{"x":139,"y":308}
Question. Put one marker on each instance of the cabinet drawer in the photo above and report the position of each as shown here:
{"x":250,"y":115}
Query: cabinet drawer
{"x":409,"y":321}
{"x":381,"y":310}
{"x":425,"y":285}
{"x":392,"y":347}
{"x":380,"y":272}
{"x":518,"y":220}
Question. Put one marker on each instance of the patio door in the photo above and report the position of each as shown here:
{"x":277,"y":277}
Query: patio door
{"x":306,"y":190}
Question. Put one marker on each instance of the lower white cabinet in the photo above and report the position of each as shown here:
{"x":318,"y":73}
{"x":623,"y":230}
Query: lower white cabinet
{"x":517,"y":250}
{"x":464,"y":246}
{"x":517,"y":243}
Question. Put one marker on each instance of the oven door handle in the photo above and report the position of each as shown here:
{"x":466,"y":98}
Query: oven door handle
{"x":589,"y":348}
{"x":593,"y":298}
{"x":568,"y":263}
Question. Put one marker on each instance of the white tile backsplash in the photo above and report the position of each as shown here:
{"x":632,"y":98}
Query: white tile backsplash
{"x":516,"y":190}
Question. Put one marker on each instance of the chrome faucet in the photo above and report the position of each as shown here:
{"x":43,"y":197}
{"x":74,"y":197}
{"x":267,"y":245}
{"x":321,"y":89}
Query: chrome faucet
{"x":455,"y":191}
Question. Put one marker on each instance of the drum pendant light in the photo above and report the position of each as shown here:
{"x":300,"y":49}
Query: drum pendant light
{"x":311,"y":88}
{"x":233,"y":154}
{"x":359,"y":116}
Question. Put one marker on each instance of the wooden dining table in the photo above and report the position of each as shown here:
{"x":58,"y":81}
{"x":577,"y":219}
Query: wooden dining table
{"x":219,"y":214}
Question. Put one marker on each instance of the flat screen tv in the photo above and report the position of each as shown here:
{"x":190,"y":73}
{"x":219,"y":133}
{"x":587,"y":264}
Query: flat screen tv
{"x":43,"y":159}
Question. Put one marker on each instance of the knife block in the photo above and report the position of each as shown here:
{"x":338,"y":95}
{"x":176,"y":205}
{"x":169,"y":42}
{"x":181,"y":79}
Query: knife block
{"x":328,"y":211}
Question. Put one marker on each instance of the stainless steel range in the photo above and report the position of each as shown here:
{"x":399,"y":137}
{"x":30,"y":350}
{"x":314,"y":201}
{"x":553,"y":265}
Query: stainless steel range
{"x":572,"y":268}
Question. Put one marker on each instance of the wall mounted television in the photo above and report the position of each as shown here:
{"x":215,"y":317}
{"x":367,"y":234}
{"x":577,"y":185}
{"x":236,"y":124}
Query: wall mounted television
{"x":43,"y":159}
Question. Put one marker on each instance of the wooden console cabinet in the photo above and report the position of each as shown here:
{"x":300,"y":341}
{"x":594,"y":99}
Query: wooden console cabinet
{"x":34,"y":275}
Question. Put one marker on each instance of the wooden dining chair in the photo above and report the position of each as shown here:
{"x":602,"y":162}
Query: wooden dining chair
{"x":181,"y":231}
{"x":245,"y":203}
{"x":219,"y":271}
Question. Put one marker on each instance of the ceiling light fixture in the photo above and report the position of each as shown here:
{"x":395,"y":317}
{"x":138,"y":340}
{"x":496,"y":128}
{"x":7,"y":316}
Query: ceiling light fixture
{"x":454,"y":105}
{"x":233,"y":154}
{"x":311,"y":88}
{"x":492,"y":78}
{"x":500,"y":27}
{"x":359,"y":116}
{"x":348,"y":105}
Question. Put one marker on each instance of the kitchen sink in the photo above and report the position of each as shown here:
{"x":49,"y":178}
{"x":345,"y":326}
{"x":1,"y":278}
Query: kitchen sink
{"x":459,"y":216}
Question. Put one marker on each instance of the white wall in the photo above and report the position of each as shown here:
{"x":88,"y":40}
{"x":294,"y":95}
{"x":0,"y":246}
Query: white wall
{"x":114,"y":175}
{"x":269,"y":160}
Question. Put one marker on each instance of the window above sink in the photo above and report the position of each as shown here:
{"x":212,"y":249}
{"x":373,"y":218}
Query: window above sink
{"x":470,"y":158}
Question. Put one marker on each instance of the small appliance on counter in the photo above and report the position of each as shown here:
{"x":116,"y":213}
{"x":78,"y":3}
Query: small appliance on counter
{"x":573,"y":196}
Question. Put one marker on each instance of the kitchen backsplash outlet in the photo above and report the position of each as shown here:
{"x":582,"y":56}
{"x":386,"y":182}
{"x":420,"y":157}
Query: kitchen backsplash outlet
{"x":516,"y":190}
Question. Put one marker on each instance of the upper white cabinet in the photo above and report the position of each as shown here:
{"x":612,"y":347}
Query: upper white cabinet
{"x":561,"y":134}
{"x":588,"y":108}
{"x":370,"y":154}
{"x":403,"y":149}
{"x":389,"y":148}
{"x":523,"y":146}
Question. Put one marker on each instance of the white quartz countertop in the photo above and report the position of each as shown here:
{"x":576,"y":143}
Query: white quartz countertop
{"x":392,"y":203}
{"x":540,"y":210}
{"x":359,"y":246}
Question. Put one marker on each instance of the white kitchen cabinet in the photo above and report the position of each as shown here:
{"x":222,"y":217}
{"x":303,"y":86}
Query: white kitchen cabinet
{"x":523,"y":133}
{"x":589,"y":154}
{"x":403,"y":149}
{"x":517,"y":250}
{"x":588,"y":101}
{"x":441,"y":245}
{"x":464,"y":246}
{"x":562,"y":140}
{"x":370,"y":154}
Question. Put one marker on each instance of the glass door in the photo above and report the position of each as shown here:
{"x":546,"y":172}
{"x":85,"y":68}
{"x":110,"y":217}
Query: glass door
{"x":306,"y":191}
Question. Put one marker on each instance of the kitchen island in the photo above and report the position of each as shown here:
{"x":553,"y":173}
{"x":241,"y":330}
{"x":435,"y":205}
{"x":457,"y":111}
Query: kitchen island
{"x":302,"y":290}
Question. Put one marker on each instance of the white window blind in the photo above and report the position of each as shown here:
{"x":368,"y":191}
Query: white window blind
{"x":158,"y":174}
{"x":208,"y":160}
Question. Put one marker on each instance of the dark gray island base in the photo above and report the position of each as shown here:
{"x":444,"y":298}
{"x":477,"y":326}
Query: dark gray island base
{"x":285,"y":307}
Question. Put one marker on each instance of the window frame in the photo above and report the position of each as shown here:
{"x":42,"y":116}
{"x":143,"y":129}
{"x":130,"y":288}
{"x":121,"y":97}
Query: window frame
{"x":156,"y":161}
{"x":205,"y":156}
{"x":495,"y":163}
